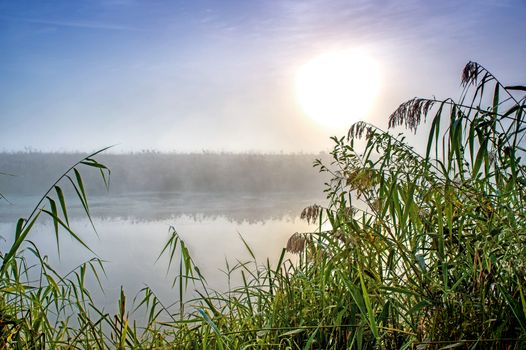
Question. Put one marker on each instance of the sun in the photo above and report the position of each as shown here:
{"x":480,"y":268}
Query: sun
{"x":337,"y":89}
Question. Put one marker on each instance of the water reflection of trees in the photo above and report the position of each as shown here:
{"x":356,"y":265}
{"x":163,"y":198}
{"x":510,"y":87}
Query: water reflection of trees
{"x":237,"y":209}
{"x":148,"y":207}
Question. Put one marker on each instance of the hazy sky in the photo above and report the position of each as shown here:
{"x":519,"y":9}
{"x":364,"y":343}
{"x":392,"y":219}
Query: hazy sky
{"x":219,"y":75}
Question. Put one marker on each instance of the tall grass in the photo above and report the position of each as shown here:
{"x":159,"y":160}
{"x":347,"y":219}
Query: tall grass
{"x":38,"y":305}
{"x":416,"y":249}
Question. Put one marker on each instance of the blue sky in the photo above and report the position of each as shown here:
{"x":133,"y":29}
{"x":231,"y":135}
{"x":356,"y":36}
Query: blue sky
{"x":219,"y":75}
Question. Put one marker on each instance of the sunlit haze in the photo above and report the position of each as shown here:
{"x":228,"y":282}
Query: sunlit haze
{"x":227,"y":75}
{"x":338,"y":88}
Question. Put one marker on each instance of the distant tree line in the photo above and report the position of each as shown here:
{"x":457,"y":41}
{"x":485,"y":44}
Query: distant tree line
{"x":34,"y":171}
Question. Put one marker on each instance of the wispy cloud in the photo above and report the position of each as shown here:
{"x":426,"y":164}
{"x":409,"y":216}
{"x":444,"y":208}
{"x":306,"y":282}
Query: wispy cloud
{"x":72,"y":24}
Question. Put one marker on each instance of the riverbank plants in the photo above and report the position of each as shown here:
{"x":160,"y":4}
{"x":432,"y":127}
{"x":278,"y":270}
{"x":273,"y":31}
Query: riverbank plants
{"x":417,"y":249}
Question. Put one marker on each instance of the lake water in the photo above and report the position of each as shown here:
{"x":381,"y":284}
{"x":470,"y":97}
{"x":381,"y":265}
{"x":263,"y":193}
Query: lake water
{"x":132,"y":230}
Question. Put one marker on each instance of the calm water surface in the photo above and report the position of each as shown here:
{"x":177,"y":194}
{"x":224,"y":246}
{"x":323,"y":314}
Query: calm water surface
{"x":132,"y":230}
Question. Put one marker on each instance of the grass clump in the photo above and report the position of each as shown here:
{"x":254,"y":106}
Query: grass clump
{"x":421,"y":250}
{"x":38,"y":305}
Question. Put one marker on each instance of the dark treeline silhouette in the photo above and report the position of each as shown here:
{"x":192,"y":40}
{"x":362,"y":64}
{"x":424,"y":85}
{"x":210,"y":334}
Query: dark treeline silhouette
{"x":166,"y":172}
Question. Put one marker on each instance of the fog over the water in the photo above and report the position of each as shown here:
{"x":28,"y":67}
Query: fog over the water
{"x":157,"y":186}
{"x":152,"y":171}
{"x":209,"y":198}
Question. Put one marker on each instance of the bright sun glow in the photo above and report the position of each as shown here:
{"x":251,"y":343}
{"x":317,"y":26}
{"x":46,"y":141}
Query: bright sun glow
{"x":337,"y":89}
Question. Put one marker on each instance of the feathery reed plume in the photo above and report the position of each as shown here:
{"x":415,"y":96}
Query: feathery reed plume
{"x":296,"y":243}
{"x":411,"y":113}
{"x":357,"y":130}
{"x":470,"y":73}
{"x":311,"y":213}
